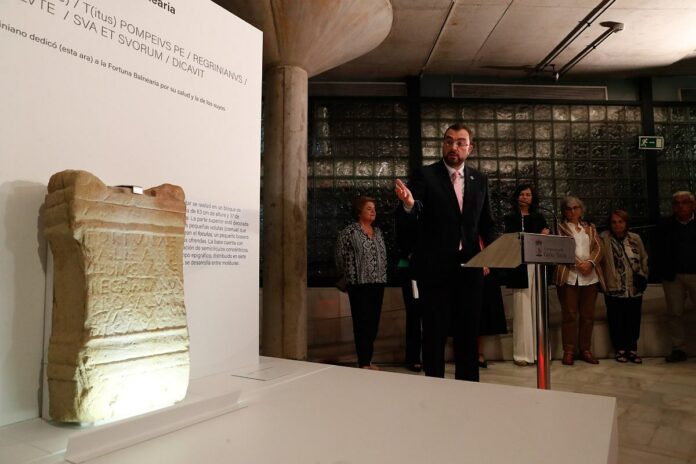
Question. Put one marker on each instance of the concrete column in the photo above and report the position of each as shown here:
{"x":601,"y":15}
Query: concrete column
{"x":301,"y":38}
{"x":284,"y":331}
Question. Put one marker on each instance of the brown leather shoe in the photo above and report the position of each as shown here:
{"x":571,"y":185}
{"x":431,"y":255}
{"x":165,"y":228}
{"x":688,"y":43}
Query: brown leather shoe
{"x":588,"y":358}
{"x":568,"y":358}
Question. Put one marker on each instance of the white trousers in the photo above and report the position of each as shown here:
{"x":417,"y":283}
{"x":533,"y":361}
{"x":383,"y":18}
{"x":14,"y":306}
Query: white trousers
{"x":524,"y":320}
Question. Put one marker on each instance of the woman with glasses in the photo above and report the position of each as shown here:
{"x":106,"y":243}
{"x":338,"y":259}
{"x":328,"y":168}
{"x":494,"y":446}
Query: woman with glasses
{"x":578,"y":284}
{"x":524,"y":217}
{"x":626,"y":270}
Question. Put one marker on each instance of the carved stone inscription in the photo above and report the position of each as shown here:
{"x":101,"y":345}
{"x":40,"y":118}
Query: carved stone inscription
{"x":131,"y":287}
{"x":119,"y":341}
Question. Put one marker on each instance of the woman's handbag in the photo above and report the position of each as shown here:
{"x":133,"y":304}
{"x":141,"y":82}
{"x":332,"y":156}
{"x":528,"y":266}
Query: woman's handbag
{"x":640,"y":282}
{"x":342,"y":284}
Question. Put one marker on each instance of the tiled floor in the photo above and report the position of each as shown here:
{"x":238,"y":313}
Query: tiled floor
{"x":656,"y":402}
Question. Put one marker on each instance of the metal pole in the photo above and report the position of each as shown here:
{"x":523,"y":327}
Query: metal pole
{"x":542,"y":327}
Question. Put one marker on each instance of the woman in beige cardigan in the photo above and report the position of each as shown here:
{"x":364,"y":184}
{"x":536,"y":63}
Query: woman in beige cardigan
{"x":578,"y":284}
{"x":624,"y":257}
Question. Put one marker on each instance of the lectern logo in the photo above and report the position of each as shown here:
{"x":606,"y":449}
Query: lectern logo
{"x":539,"y":248}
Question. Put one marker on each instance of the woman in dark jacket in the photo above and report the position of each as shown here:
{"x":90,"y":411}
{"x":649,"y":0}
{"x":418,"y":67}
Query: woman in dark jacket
{"x":524,"y":218}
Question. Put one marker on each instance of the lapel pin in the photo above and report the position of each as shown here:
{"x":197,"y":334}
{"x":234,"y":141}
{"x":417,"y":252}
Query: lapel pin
{"x":471,"y":177}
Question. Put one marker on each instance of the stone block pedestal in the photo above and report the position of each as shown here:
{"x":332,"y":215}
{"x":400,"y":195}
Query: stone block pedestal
{"x":119,"y":341}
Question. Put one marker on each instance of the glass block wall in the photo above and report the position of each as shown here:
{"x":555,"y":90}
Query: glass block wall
{"x":359,"y":146}
{"x":676,"y":164}
{"x":356,"y":147}
{"x":585,"y":150}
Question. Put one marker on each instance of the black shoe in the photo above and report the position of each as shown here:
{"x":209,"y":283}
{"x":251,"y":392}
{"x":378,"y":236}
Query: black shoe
{"x":483,"y":364}
{"x":676,"y":356}
{"x":415,"y":367}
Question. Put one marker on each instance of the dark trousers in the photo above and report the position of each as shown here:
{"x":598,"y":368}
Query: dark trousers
{"x":623,"y":317}
{"x":452,"y":308}
{"x":413,"y":319}
{"x":577,"y":299}
{"x":365,"y":307}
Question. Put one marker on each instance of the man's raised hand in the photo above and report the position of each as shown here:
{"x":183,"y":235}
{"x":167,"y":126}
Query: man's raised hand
{"x":404,"y":194}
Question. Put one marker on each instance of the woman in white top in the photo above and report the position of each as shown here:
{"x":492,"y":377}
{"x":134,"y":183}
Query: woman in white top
{"x":577,"y":284}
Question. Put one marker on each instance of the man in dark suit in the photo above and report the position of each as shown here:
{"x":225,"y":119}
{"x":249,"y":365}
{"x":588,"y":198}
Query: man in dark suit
{"x":675,"y":262}
{"x":447,"y":205}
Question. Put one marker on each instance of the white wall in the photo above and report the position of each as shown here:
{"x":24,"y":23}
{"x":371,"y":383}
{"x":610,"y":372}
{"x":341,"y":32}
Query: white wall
{"x":59,"y":111}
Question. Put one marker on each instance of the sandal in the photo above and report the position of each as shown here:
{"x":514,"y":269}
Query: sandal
{"x":621,"y":356}
{"x":482,"y":363}
{"x":634,"y":358}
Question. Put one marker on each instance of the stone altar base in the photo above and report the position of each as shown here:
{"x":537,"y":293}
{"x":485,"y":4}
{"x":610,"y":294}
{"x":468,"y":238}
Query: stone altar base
{"x":119,"y":341}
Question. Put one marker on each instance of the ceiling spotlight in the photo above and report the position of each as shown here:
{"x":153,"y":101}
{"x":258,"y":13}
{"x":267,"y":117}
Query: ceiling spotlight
{"x":583,"y":25}
{"x":611,"y":26}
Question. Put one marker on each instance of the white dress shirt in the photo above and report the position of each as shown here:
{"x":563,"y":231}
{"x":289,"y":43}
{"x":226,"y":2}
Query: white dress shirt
{"x":582,"y":252}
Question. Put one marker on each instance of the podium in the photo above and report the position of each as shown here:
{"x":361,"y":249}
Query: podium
{"x":511,"y":250}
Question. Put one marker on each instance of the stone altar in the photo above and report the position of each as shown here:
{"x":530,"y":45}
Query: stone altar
{"x":119,"y":343}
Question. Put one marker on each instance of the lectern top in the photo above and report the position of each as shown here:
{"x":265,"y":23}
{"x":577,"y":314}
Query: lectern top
{"x":511,"y":250}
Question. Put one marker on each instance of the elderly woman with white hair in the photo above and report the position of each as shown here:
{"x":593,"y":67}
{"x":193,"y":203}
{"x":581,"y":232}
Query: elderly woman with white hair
{"x":578,"y":284}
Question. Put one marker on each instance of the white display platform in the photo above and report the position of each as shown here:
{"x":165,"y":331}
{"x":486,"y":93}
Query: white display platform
{"x":318,"y":413}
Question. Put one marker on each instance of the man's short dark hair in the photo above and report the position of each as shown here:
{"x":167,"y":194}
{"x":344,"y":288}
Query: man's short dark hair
{"x":460,"y":126}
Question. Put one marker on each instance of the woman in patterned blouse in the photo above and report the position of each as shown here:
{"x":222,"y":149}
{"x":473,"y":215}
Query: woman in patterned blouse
{"x":361,"y":258}
{"x":624,"y":256}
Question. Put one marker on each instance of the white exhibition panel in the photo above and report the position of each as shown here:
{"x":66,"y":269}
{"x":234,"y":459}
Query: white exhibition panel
{"x":137,"y":94}
{"x":317,"y":413}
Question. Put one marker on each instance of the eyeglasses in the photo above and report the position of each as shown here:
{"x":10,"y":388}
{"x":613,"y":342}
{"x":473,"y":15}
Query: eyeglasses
{"x":572,"y":208}
{"x":456,"y":143}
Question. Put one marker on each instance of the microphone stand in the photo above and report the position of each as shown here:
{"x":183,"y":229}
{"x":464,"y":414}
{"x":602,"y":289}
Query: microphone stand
{"x":543,"y":347}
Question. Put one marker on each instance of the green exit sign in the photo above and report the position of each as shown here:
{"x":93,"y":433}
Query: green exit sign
{"x":651,"y":142}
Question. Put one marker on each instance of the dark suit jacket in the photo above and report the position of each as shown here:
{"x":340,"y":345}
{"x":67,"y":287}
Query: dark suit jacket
{"x":665,"y":249}
{"x":438,"y":226}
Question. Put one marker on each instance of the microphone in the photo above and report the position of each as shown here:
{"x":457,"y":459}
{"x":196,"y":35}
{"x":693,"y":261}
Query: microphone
{"x":554,"y":228}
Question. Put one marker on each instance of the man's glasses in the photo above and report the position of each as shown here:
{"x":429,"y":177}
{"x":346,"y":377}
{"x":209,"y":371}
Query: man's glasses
{"x":572,"y":208}
{"x":456,"y":143}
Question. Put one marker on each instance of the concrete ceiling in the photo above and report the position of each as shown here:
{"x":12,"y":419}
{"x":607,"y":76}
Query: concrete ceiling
{"x":503,"y":38}
{"x":290,"y":39}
